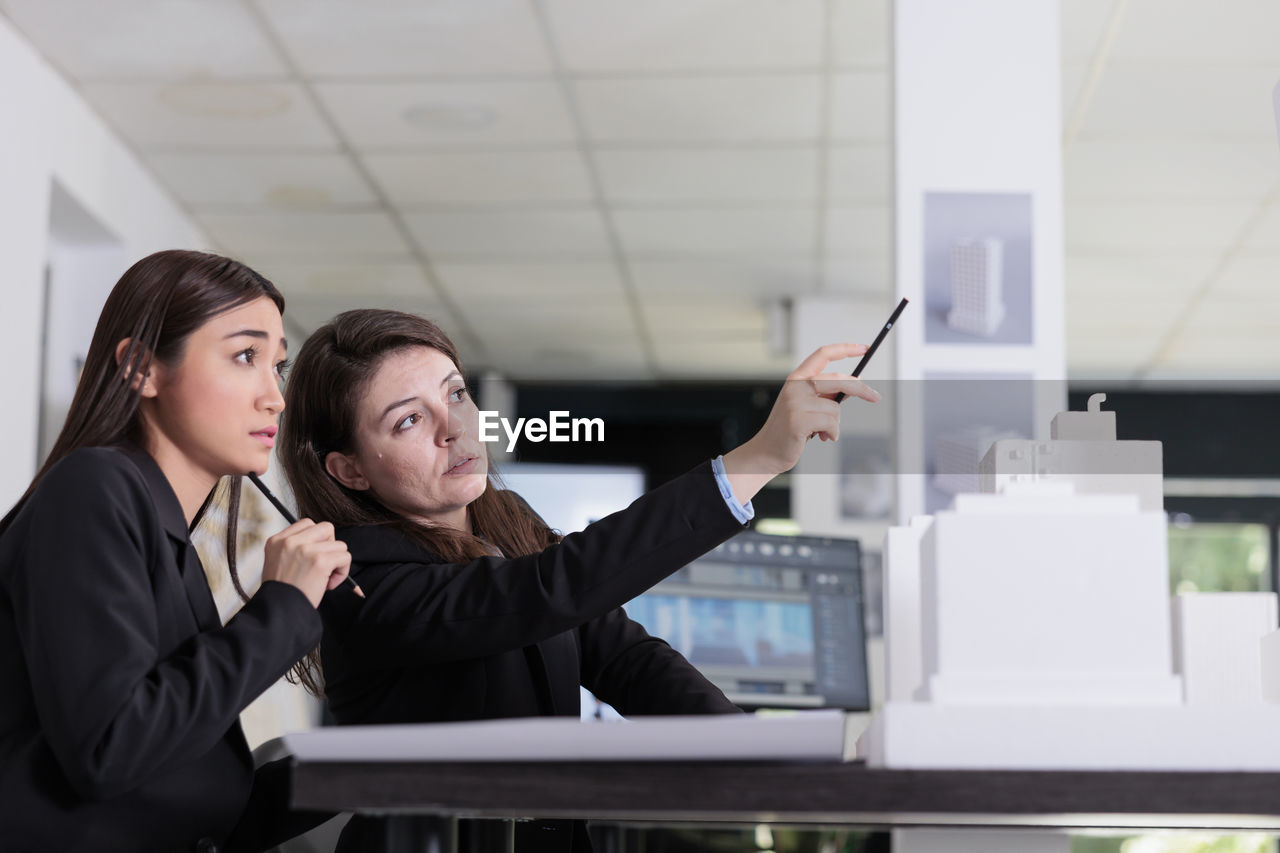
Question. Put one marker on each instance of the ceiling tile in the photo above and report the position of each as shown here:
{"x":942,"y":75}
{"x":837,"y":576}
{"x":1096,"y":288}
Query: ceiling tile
{"x":722,"y":359}
{"x":280,"y":181}
{"x":716,"y":231}
{"x":861,"y":32}
{"x":720,"y":317}
{"x":1193,"y":32}
{"x":298,"y":235}
{"x":554,"y":356}
{"x":860,"y":106}
{"x":1084,"y":25}
{"x":770,"y":275}
{"x":154,"y":39}
{"x":597,"y":319}
{"x":859,"y":173}
{"x":351,"y":38}
{"x":865,"y":273}
{"x":862,"y":230}
{"x":740,"y":109}
{"x":1266,"y":234}
{"x":505,"y":233}
{"x":1205,"y":356}
{"x":1249,"y":276}
{"x":212,"y":116}
{"x":660,"y":35}
{"x":1108,"y":356}
{"x":478,"y":178}
{"x":766,"y":175}
{"x":1098,"y":279}
{"x":1123,"y":315}
{"x":1170,"y":169}
{"x":1228,"y":316}
{"x":1138,"y":228}
{"x":311,"y":311}
{"x":1182,"y":102}
{"x":551,"y":282}
{"x":349,"y":280}
{"x":379,"y":115}
{"x":1073,"y":80}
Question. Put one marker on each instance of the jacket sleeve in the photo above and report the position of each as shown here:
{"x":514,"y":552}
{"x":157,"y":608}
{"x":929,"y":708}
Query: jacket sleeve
{"x":640,"y":674}
{"x":114,"y":708}
{"x":426,"y":613}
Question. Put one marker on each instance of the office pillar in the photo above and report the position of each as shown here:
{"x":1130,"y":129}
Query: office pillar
{"x":978,"y":234}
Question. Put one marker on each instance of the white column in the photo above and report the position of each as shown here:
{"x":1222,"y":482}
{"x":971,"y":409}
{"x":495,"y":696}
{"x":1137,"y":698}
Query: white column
{"x":978,"y":216}
{"x":978,"y":233}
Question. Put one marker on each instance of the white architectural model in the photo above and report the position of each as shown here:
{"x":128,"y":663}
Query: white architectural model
{"x":956,"y":457}
{"x":977,"y":294}
{"x":1082,"y":450}
{"x":1031,"y":627}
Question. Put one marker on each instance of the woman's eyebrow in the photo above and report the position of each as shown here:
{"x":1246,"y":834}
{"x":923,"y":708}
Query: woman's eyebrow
{"x":247,"y":333}
{"x":255,"y":333}
{"x":397,"y":404}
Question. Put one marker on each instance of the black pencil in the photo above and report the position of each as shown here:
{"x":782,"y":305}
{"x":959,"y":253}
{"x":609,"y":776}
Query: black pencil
{"x":289,"y":517}
{"x":871,"y":350}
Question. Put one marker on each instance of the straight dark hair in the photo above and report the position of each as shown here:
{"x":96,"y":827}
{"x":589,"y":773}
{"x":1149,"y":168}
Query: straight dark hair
{"x":327,"y":381}
{"x":156,"y":305}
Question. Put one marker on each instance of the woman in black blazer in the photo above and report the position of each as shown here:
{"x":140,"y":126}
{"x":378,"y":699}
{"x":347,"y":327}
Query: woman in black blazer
{"x":122,"y":689}
{"x":475,"y":609}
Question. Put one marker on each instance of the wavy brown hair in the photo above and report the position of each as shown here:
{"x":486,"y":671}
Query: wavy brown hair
{"x":157,"y":304}
{"x":327,"y":381}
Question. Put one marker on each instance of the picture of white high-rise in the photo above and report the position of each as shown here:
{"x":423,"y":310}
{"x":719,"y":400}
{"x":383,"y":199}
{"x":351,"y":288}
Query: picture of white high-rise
{"x":977,"y":302}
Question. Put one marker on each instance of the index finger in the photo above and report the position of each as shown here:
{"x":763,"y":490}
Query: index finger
{"x":818,"y":360}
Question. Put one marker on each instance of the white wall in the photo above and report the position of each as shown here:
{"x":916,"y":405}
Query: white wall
{"x":50,"y":134}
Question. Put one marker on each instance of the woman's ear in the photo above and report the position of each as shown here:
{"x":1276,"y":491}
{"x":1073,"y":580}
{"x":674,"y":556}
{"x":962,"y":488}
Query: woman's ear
{"x":144,"y":383}
{"x":345,"y":470}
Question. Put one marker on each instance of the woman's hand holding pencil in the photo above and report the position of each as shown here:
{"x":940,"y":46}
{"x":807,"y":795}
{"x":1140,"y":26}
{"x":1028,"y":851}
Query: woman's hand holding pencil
{"x":306,"y":555}
{"x":302,"y":548}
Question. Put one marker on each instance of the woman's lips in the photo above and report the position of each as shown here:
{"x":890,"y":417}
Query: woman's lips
{"x":266,"y":435}
{"x":463,"y":466}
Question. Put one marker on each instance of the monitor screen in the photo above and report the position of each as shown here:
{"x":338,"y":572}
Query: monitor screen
{"x":773,"y":621}
{"x":569,"y":497}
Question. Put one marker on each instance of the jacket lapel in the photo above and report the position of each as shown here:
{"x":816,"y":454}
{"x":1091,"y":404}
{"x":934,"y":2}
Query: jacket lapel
{"x":187,"y":561}
{"x":199,"y":596}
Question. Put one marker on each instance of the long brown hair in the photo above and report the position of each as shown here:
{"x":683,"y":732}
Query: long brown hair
{"x":325,"y":386}
{"x":156,"y":305}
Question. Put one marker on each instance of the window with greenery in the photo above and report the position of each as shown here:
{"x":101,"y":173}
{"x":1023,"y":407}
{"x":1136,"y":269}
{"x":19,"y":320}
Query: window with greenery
{"x":1218,"y":556}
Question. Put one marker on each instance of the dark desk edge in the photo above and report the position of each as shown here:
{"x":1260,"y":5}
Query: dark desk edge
{"x":848,"y":793}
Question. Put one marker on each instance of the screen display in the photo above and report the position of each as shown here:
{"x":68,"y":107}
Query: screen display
{"x":773,"y":621}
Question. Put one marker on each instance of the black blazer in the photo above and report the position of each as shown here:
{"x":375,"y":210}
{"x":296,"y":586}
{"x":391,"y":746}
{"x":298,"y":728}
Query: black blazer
{"x":515,"y":637}
{"x":121,"y":687}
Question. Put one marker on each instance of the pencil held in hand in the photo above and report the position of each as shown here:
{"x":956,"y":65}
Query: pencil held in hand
{"x":289,"y":517}
{"x":871,"y":350}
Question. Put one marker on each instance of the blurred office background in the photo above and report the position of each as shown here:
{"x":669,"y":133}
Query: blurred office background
{"x":615,"y":207}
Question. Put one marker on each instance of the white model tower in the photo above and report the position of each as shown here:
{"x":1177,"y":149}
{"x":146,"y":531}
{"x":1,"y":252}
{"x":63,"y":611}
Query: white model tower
{"x":977,"y":300}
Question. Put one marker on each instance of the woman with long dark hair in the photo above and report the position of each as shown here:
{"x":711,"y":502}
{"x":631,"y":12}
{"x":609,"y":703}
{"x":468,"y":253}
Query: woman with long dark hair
{"x":122,"y":688}
{"x":475,"y":609}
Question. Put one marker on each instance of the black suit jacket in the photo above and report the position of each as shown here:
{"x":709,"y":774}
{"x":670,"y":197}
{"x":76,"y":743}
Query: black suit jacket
{"x":516,"y":637}
{"x":121,"y":687}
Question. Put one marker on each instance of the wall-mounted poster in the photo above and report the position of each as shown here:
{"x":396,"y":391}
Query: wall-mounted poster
{"x":977,"y":268}
{"x":964,"y":414}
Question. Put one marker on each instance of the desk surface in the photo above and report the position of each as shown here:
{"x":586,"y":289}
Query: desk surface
{"x":830,"y":794}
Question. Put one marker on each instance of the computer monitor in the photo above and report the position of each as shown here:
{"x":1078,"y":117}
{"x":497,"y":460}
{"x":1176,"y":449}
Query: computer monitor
{"x":569,"y":497}
{"x":773,"y":621}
